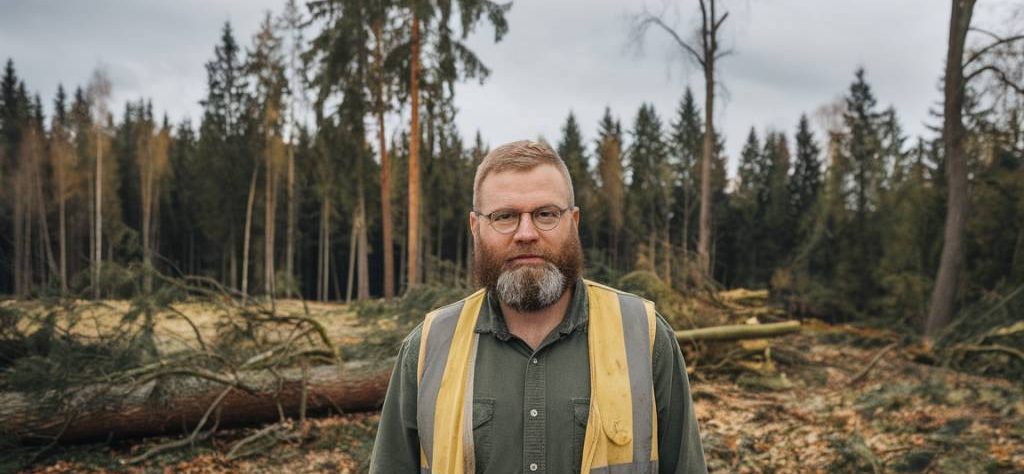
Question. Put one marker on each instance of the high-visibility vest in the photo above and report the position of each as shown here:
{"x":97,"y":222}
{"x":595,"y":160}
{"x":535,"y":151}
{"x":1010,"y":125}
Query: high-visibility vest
{"x":622,"y":427}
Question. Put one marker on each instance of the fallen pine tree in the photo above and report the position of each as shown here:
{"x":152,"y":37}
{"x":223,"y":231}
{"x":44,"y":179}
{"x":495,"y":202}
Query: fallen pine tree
{"x":738,"y":331}
{"x":178,"y":404}
{"x":182,"y":398}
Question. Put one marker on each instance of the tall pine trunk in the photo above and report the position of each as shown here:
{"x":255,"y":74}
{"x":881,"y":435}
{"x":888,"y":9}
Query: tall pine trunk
{"x":363,"y":262}
{"x":289,"y":268}
{"x":147,"y":197}
{"x":324,"y":250}
{"x":940,"y":309}
{"x":248,"y":229}
{"x":704,"y":235}
{"x":385,"y":168}
{"x":413,"y":253}
{"x":97,"y":251}
{"x":268,"y":225}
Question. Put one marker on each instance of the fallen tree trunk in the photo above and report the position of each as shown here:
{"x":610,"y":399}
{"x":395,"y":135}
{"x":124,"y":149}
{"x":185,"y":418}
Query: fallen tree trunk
{"x":738,"y":331}
{"x":175,"y":405}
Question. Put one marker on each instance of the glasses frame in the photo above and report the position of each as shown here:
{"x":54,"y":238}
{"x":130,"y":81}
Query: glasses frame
{"x":519,"y":221}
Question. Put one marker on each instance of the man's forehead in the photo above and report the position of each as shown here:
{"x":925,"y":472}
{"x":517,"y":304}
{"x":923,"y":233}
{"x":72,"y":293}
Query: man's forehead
{"x":524,"y":187}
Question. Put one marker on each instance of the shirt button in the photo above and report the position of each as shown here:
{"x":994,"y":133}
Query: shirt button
{"x":533,"y":412}
{"x":534,"y":361}
{"x":533,"y":466}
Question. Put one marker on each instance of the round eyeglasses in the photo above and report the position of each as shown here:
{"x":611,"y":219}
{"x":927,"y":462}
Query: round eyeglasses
{"x":506,"y":221}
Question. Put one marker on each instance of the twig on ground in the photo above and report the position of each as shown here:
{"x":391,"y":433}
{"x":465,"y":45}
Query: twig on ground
{"x":191,"y":439}
{"x":874,"y":361}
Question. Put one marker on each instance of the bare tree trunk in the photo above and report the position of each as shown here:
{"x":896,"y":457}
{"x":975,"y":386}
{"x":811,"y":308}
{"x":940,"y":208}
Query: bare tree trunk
{"x":147,"y":196}
{"x":323,"y":267}
{"x":97,"y":256}
{"x":413,"y":253}
{"x":292,"y":223}
{"x":667,"y":257}
{"x":232,"y":261}
{"x":940,"y":310}
{"x":19,"y":237}
{"x":62,"y":234}
{"x":687,"y":212}
{"x":363,"y":262}
{"x":385,"y":169}
{"x":268,"y":225}
{"x":248,"y":229}
{"x":44,"y":226}
{"x":704,"y":231}
{"x":351,"y":258}
{"x":103,"y":412}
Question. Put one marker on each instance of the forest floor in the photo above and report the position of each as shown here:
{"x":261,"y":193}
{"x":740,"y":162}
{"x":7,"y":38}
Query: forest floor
{"x":828,"y":399}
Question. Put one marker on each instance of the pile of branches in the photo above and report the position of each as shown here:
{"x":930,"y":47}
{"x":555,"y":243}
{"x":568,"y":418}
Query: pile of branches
{"x":986,"y":338}
{"x":69,"y":371}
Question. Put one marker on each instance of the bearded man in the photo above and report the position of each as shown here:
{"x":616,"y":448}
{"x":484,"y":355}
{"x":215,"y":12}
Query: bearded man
{"x":540,"y":371}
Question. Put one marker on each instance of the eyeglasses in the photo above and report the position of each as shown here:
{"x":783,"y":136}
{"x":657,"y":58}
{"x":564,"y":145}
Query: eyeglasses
{"x":506,"y":221}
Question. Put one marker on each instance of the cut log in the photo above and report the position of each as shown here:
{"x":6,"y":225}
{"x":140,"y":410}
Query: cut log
{"x":738,"y":331}
{"x":101,"y":412}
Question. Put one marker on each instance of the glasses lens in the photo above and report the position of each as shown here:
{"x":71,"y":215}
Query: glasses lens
{"x":504,"y":221}
{"x":546,"y":218}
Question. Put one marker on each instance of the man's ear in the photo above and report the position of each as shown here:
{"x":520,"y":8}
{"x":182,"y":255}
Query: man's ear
{"x":473,"y":222}
{"x":576,"y":215}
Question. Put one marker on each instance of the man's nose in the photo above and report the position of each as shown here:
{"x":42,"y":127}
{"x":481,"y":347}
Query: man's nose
{"x":526,"y":232}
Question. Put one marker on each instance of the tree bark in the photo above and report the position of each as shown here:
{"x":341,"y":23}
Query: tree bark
{"x":413,"y":240}
{"x":270,"y":202}
{"x":363,"y":254}
{"x":248,"y":228}
{"x":97,"y":255}
{"x":709,"y":41}
{"x":940,"y":309}
{"x":289,"y":268}
{"x":385,"y":168}
{"x":738,"y":331}
{"x":102,"y":412}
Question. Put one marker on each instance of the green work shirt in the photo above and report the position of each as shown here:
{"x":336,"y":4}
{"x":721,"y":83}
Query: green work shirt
{"x":530,"y":407}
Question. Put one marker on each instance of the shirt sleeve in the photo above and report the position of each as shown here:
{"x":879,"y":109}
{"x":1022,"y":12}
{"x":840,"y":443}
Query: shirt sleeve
{"x":397,"y":446}
{"x":679,"y":446}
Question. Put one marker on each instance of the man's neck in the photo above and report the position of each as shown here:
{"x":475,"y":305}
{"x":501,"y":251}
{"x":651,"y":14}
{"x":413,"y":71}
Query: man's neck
{"x":532,"y":327}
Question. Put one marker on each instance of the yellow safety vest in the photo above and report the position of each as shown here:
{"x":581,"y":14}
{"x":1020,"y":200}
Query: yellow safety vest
{"x":622,"y":429}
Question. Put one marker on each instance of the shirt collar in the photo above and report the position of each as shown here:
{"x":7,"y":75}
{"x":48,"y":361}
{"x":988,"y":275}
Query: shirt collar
{"x":492,"y":320}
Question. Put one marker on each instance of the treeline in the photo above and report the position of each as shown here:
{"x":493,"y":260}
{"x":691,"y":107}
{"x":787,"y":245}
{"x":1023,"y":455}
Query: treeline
{"x":846,"y":221}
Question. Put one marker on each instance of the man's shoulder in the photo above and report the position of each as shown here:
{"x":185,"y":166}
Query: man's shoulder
{"x":604,"y":287}
{"x":412,"y":340}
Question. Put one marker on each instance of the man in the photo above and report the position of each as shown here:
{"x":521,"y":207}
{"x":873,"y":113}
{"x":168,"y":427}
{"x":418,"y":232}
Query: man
{"x":540,"y":371}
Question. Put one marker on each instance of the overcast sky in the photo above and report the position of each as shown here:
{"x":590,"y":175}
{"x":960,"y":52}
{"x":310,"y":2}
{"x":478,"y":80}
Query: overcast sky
{"x":791,"y":56}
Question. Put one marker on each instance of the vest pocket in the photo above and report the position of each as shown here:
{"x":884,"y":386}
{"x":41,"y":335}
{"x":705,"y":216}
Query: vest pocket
{"x":483,"y":412}
{"x":580,"y":413}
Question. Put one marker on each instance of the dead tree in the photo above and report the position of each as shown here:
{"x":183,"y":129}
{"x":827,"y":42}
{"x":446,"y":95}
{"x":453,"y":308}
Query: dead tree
{"x":959,"y":72}
{"x":706,"y":52}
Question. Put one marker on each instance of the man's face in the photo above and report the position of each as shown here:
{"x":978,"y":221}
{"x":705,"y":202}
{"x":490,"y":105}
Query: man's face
{"x":528,"y":269}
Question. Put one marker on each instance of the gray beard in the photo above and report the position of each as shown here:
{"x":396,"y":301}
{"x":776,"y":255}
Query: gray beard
{"x":529,"y":289}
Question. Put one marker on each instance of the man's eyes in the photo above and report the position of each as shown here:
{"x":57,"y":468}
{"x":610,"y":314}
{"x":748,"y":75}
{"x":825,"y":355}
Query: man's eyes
{"x":547,"y":213}
{"x":501,"y":216}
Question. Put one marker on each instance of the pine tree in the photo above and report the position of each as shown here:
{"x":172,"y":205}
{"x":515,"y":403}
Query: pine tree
{"x":223,"y":148}
{"x":651,"y":178}
{"x":573,"y":152}
{"x":806,"y":181}
{"x":612,"y":186}
{"x":685,"y":143}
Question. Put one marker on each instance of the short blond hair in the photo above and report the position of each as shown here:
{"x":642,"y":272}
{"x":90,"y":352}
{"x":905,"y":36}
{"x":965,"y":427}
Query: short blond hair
{"x":522,"y":155}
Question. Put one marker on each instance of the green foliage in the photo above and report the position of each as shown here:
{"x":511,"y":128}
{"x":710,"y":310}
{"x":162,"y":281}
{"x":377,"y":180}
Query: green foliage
{"x":648,"y":285}
{"x":392,"y":320}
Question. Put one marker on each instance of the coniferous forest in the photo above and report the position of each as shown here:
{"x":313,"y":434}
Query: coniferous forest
{"x":327,"y":167}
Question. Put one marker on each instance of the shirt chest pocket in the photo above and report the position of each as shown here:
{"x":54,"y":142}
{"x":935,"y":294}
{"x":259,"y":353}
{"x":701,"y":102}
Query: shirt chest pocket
{"x":483,"y":427}
{"x":580,"y":414}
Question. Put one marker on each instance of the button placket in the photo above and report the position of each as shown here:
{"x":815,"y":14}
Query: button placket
{"x":535,"y":433}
